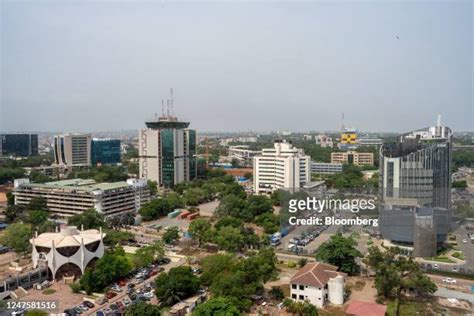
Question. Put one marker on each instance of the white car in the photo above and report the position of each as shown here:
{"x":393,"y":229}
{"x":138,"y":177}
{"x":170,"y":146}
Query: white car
{"x":435,"y":266}
{"x":449,"y":280}
{"x":464,"y":241}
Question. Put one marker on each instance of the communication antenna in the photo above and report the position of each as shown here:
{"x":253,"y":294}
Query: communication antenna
{"x":172,"y":101}
{"x":342,"y":122}
{"x":168,"y":108}
{"x":162,"y":107}
{"x":439,"y":120}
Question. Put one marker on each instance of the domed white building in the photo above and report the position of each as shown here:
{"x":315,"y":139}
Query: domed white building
{"x":69,"y":252}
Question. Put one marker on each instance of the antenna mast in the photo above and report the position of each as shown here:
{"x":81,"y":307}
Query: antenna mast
{"x":172,"y":101}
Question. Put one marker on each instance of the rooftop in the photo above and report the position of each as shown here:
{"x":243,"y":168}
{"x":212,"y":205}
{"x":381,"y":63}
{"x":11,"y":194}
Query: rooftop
{"x":84,"y":185}
{"x":316,"y":274}
{"x":68,"y":236}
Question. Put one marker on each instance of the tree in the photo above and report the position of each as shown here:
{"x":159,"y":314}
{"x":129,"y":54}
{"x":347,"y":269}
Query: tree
{"x":179,"y":283}
{"x":175,"y":201}
{"x":302,"y":262}
{"x":89,"y":219}
{"x":117,"y":237}
{"x":230,"y":239}
{"x":193,"y":196}
{"x":198,"y":229}
{"x":276,"y":293}
{"x":341,"y":252}
{"x":148,"y":254}
{"x":153,"y":187}
{"x":259,"y":204}
{"x":213,"y":265}
{"x":300,"y":308}
{"x":17,"y":237}
{"x":142,"y":309}
{"x":396,"y":274}
{"x":155,"y":209}
{"x":234,"y":206}
{"x":217,"y":306}
{"x":10,"y":199}
{"x":37,"y":218}
{"x":171,"y":235}
{"x":14,"y":212}
{"x":459,"y":184}
{"x":37,"y":204}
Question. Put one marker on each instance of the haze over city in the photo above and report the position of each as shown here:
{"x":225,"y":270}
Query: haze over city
{"x":236,"y":66}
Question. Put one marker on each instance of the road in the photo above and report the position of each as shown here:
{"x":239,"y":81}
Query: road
{"x":123,"y":294}
{"x":444,"y":292}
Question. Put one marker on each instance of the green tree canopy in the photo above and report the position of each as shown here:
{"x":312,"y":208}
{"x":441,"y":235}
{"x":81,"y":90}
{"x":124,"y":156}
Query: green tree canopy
{"x":89,"y":219}
{"x":141,"y":308}
{"x":171,"y":235}
{"x":217,"y":306}
{"x":341,"y":252}
{"x":199,"y":229}
{"x":179,"y":283}
{"x":16,"y":236}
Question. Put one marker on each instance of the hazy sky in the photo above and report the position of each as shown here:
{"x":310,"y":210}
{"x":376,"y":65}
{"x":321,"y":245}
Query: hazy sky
{"x":97,"y":66}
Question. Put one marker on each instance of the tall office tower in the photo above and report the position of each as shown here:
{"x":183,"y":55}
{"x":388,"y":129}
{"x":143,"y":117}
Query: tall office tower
{"x":105,"y":151}
{"x":18,"y":145}
{"x":418,"y":166}
{"x":281,"y":167}
{"x":167,"y":150}
{"x":72,"y":150}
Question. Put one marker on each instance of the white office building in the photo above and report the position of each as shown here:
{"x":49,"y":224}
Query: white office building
{"x":72,"y":150}
{"x":243,"y":154}
{"x":281,"y":167}
{"x":326,"y":167}
{"x":318,"y":283}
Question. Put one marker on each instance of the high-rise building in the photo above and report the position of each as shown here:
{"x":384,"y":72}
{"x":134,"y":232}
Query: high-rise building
{"x":105,"y":151}
{"x":72,"y":150}
{"x":352,"y":157}
{"x":418,"y":166}
{"x":167,"y":150}
{"x":281,"y":167}
{"x":18,"y":145}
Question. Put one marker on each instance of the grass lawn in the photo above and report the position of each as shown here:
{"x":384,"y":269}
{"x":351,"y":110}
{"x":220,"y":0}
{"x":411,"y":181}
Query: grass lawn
{"x":458,"y":255}
{"x":49,"y":291}
{"x":440,"y":259}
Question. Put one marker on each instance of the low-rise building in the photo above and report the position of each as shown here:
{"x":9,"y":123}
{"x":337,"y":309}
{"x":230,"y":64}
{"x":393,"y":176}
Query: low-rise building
{"x":243,"y":154}
{"x":318,"y":283}
{"x":326,"y":167}
{"x":376,"y":142}
{"x":324,"y":141}
{"x":352,"y":157}
{"x":69,"y":252}
{"x":67,"y":198}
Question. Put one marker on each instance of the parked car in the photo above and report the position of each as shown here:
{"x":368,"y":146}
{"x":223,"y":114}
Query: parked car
{"x":163,"y":261}
{"x":435,"y":266}
{"x":126,"y":301}
{"x":110,"y":295}
{"x":88,"y":304}
{"x":99,"y":313}
{"x":449,"y":280}
{"x":464,"y":241}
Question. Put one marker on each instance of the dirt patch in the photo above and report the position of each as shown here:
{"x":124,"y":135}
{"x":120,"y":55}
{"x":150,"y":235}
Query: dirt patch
{"x":362,"y":289}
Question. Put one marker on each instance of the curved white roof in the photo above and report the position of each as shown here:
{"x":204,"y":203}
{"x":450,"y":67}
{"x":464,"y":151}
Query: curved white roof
{"x":68,"y":237}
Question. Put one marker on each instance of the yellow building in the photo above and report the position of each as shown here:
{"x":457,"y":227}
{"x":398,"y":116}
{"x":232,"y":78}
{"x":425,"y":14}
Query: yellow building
{"x":349,"y":137}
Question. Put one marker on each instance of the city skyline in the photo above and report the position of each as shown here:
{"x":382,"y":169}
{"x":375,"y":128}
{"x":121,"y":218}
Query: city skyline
{"x":236,"y":67}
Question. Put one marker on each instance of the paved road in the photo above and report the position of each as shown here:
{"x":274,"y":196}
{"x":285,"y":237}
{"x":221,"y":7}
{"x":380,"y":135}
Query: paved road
{"x":123,"y":294}
{"x":444,"y":292}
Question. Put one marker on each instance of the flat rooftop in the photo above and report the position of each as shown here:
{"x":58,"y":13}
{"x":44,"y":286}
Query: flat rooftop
{"x":84,"y":185}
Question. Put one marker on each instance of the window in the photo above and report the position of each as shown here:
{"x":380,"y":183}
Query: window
{"x":302,"y":287}
{"x":302,"y":297}
{"x":293,"y":296}
{"x":293,"y":286}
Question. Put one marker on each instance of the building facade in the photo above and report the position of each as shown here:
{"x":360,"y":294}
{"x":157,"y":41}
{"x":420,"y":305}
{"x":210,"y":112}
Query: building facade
{"x":243,"y":154}
{"x":18,"y":145}
{"x":352,"y":157}
{"x":67,"y":198}
{"x":105,"y":151}
{"x":167,"y":152}
{"x":418,"y":166}
{"x":349,"y":136}
{"x":280,"y":167}
{"x":69,"y":252}
{"x":318,"y":283}
{"x":376,"y":142}
{"x":326,"y":167}
{"x":324,"y":141}
{"x":72,"y":150}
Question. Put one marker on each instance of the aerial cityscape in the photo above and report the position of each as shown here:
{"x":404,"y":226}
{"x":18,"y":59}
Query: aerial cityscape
{"x":240,"y":158}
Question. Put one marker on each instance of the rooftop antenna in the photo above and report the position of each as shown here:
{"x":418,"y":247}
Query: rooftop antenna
{"x":168,"y":108}
{"x":439,"y":120}
{"x":162,"y":107}
{"x":172,"y":101}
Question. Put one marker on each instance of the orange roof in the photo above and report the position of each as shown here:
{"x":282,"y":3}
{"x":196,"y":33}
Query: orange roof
{"x":3,"y":197}
{"x":315,"y":274}
{"x":358,"y":308}
{"x":238,"y":172}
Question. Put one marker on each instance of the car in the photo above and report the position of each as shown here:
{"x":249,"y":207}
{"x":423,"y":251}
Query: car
{"x":120,"y":305}
{"x":83,"y":307}
{"x":148,"y":295}
{"x":435,"y":266}
{"x":110,"y":295}
{"x":139,"y":280}
{"x":456,"y":269}
{"x":114,"y":307}
{"x":449,"y":280}
{"x":196,"y":270}
{"x":107,"y":311}
{"x":126,"y":301}
{"x":18,"y":312}
{"x":78,"y":310}
{"x":99,"y":313}
{"x":464,"y":241}
{"x":101,"y":300}
{"x":88,"y":304}
{"x":130,"y":285}
{"x":69,"y":312}
{"x":294,"y":241}
{"x":163,"y":261}
{"x":122,"y":281}
{"x":116,"y":288}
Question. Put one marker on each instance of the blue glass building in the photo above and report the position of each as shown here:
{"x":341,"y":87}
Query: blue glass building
{"x":105,"y":151}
